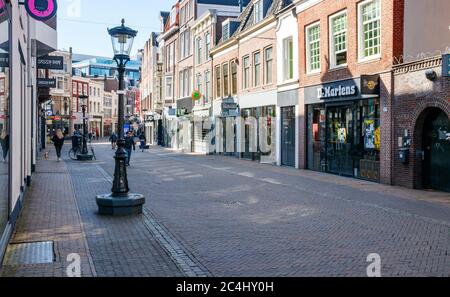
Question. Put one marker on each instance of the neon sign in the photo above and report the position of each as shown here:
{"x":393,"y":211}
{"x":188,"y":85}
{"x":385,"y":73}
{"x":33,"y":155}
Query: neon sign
{"x":41,"y":10}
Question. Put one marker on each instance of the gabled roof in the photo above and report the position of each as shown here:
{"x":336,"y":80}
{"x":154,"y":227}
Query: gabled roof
{"x":223,"y":2}
{"x":246,"y":18}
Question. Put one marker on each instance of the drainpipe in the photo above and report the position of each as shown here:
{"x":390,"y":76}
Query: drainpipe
{"x":241,"y":8}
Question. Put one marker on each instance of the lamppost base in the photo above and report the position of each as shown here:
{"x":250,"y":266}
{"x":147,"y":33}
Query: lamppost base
{"x":85,"y":157}
{"x":119,"y":206}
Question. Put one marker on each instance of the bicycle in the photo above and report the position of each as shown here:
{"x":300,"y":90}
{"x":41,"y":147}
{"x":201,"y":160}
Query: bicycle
{"x":77,"y":149}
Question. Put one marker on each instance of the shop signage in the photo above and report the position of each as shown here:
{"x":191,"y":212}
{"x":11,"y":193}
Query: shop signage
{"x":46,"y":83}
{"x":370,"y":84}
{"x":229,"y":106}
{"x":41,"y":10}
{"x":2,"y":6}
{"x":4,"y":59}
{"x":446,"y":65}
{"x":196,"y":95}
{"x":336,"y":91}
{"x":50,"y":62}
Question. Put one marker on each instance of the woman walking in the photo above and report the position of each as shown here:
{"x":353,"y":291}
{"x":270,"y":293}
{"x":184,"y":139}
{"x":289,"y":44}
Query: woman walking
{"x":4,"y":141}
{"x":58,"y":141}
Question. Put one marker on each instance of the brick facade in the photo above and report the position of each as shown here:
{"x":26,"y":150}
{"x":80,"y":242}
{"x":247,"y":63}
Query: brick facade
{"x":390,"y":47}
{"x":415,"y":97}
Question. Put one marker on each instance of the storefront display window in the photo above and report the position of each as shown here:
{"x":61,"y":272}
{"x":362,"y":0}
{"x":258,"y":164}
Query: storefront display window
{"x":345,"y":139}
{"x":260,"y":128}
{"x":4,"y":117}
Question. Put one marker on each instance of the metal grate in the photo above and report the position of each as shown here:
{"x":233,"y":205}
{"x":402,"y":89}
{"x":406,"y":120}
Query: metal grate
{"x":29,"y":253}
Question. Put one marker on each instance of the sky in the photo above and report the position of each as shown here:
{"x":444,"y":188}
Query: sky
{"x":82,"y":24}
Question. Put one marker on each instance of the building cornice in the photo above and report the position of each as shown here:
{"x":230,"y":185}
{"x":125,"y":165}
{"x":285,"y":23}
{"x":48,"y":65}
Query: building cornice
{"x":418,"y":65}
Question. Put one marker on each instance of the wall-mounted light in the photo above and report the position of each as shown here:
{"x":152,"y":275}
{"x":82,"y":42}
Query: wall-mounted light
{"x":431,"y":74}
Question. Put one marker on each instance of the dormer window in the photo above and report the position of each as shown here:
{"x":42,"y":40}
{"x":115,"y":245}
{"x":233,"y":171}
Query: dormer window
{"x":173,"y":16}
{"x":226,"y":31}
{"x":259,"y":11}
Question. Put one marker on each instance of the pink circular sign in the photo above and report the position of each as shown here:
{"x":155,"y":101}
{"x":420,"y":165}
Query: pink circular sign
{"x":41,"y":10}
{"x":2,"y":6}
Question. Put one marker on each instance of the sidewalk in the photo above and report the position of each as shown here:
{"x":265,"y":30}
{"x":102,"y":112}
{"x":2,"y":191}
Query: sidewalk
{"x":60,"y":207}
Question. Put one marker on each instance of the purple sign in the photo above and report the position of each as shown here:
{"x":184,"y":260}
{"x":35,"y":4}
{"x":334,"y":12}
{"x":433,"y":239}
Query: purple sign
{"x":2,"y":6}
{"x":41,"y":10}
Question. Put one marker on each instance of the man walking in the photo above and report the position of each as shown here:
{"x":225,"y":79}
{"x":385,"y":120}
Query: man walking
{"x":129,"y":146}
{"x":113,"y":140}
{"x":143,"y":141}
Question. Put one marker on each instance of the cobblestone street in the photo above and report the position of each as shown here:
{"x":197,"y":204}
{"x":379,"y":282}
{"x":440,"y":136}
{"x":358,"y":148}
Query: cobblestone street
{"x":220,"y":216}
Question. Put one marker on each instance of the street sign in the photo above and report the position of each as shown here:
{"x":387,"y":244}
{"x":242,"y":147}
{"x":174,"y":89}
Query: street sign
{"x":50,"y":62}
{"x":49,"y":113}
{"x":446,"y":65}
{"x":46,"y":83}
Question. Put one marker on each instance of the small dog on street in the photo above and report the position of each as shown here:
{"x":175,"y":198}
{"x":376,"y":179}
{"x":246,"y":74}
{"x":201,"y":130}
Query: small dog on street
{"x":47,"y":155}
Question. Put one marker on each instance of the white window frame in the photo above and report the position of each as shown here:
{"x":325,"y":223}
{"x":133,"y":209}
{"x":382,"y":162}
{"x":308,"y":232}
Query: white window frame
{"x":361,"y":48}
{"x":207,"y":46}
{"x":257,"y":76}
{"x":308,"y":49}
{"x":261,"y":13}
{"x":332,"y":44}
{"x":246,"y":83}
{"x":208,"y":90}
{"x":268,"y":74}
{"x":287,"y":62}
{"x":199,"y":51}
{"x":168,"y":95}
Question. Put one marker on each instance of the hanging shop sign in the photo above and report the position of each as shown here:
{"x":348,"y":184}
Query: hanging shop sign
{"x":196,"y":95}
{"x":50,"y":62}
{"x":46,"y":83}
{"x":41,"y":10}
{"x":446,"y":65}
{"x":2,"y":6}
{"x":370,"y":84}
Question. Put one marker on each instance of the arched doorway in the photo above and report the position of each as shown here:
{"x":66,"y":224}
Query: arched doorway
{"x":435,"y":144}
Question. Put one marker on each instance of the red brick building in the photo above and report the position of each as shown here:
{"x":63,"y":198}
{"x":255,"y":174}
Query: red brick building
{"x":422,"y":124}
{"x":352,"y":116}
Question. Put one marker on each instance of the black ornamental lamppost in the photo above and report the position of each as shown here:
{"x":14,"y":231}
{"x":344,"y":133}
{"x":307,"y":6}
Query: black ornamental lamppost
{"x":120,"y":202}
{"x":84,"y":155}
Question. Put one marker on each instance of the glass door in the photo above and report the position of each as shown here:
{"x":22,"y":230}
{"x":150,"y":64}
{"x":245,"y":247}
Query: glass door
{"x":288,"y":136}
{"x":341,"y":151}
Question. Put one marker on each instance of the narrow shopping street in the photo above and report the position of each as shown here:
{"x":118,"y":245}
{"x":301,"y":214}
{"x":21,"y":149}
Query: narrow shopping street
{"x":220,"y":216}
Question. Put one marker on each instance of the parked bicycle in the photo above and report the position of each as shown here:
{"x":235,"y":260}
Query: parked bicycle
{"x":77,"y":147}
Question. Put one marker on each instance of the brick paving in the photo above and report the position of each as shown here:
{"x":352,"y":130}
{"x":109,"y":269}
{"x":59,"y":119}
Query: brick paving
{"x":241,"y":218}
{"x":51,"y":214}
{"x":61,"y":207}
{"x":227,"y":217}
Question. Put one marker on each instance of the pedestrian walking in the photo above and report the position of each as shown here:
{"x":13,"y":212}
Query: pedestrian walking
{"x":90,"y":135}
{"x":129,"y":146}
{"x":4,"y":141}
{"x":143,"y":141}
{"x":113,"y":140}
{"x":58,"y":141}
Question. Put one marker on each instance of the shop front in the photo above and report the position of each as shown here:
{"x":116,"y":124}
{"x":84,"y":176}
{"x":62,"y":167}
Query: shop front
{"x":201,"y":130}
{"x":344,"y":128}
{"x":258,"y":139}
{"x":287,"y":102}
{"x":184,"y":124}
{"x":225,"y":113}
{"x":5,"y":127}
